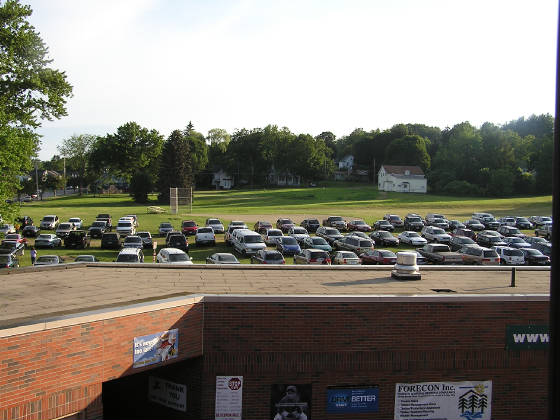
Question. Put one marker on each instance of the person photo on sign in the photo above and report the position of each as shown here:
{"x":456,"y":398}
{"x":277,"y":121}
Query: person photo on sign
{"x":166,"y":348}
{"x":290,"y":406}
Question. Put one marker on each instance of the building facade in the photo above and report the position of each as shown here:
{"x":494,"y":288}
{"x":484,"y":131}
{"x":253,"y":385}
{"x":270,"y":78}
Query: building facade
{"x":402,"y":179}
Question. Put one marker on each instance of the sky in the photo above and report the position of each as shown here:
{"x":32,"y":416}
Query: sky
{"x":309,"y":65}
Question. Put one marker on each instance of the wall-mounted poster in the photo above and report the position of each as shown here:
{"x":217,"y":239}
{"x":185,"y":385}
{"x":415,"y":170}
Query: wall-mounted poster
{"x":229,"y":398}
{"x":359,"y":399}
{"x":291,"y":402}
{"x":167,"y":393}
{"x":155,"y":348}
{"x":444,"y":400}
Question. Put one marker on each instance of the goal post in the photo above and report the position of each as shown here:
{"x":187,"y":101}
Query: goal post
{"x":180,"y":199}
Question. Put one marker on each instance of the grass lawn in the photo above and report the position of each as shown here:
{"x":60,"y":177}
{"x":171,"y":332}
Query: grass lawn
{"x":347,"y":200}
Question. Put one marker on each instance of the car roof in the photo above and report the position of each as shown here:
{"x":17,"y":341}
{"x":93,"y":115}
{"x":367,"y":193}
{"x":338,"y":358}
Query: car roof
{"x":173,"y":250}
{"x":130,"y":251}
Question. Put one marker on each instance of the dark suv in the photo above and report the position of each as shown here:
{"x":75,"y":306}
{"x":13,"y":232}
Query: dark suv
{"x":177,"y":240}
{"x":77,"y":239}
{"x":110,"y":240}
{"x":310,"y":224}
{"x":413,"y":222}
{"x":98,"y":228}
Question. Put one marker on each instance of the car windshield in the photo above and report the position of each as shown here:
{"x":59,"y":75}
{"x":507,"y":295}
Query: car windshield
{"x":365,"y":243}
{"x":513,"y":252}
{"x":319,"y":241}
{"x":534,"y":252}
{"x":205,"y":230}
{"x":253,"y":239}
{"x":144,"y":234}
{"x":132,"y":239}
{"x":286,"y":222}
{"x":336,"y":219}
{"x":493,"y":238}
{"x":189,"y":224}
{"x":411,"y":235}
{"x":63,"y":226}
{"x":48,"y":219}
{"x":274,"y":232}
{"x":176,"y":239}
{"x":288,"y":240}
{"x":274,"y":256}
{"x":394,"y":218}
{"x":332,"y":232}
{"x":358,"y":222}
{"x":124,"y":224}
{"x":387,"y":254}
{"x":213,"y":222}
{"x":45,"y":237}
{"x":166,"y":225}
{"x":127,"y":258}
{"x":490,"y":253}
{"x":313,"y":221}
{"x":414,"y":219}
{"x":516,"y":240}
{"x":318,"y":255}
{"x":348,"y":255}
{"x":514,"y":230}
{"x":98,"y":224}
{"x":227,"y":258}
{"x":178,"y":257}
{"x":299,"y":231}
{"x":438,"y":231}
{"x":74,"y":220}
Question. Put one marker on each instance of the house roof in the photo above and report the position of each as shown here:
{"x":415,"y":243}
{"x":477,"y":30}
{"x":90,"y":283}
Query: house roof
{"x":401,"y":170}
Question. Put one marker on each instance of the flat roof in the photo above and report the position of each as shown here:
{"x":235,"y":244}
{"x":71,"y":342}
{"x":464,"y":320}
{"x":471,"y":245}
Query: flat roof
{"x":28,"y":295}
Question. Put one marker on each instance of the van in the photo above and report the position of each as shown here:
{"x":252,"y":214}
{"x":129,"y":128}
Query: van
{"x":247,"y":242}
{"x":131,"y":255}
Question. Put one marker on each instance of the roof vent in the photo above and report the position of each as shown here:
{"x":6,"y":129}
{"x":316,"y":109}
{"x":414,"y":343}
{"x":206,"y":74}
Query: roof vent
{"x":406,"y":268}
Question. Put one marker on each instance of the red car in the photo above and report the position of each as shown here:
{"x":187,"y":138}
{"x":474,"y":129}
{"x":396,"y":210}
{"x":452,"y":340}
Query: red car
{"x":359,"y":225}
{"x":284,"y":225}
{"x":378,"y":256}
{"x":189,"y":227}
{"x":16,"y":237}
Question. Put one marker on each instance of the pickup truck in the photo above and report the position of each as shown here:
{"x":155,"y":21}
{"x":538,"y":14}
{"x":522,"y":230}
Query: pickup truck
{"x":440,"y":254}
{"x":544,"y":230}
{"x":107,"y":218}
{"x":336,"y":222}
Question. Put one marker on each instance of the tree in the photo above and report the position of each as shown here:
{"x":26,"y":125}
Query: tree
{"x":409,"y":150}
{"x":77,"y":149}
{"x":141,"y":185}
{"x":30,"y":91}
{"x":175,"y":167}
{"x":218,"y":136}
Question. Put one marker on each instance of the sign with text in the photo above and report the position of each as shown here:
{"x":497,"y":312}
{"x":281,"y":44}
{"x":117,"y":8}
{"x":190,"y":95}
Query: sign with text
{"x":352,"y":400}
{"x":229,"y":397}
{"x":528,"y":337}
{"x":155,"y":348}
{"x":444,"y":400}
{"x":168,"y":393}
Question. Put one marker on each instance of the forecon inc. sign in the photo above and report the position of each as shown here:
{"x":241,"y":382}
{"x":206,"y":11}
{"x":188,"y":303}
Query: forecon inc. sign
{"x":529,"y":337}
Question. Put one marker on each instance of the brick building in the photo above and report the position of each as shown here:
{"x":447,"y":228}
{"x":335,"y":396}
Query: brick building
{"x":68,"y":338}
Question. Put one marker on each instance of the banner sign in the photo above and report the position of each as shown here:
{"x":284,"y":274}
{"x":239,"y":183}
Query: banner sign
{"x":352,"y":400}
{"x":155,"y":348}
{"x":168,"y":393}
{"x":524,"y":337}
{"x":229,"y":397}
{"x":443,"y":400}
{"x":290,"y":401}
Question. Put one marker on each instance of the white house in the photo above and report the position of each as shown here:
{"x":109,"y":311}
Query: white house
{"x":346,"y":162}
{"x":222,"y":180}
{"x":283,"y":178}
{"x":402,"y":179}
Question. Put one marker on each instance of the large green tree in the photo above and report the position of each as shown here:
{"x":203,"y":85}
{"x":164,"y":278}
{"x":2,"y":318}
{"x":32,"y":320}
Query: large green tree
{"x":30,"y":91}
{"x":77,"y":149}
{"x":175,"y":165}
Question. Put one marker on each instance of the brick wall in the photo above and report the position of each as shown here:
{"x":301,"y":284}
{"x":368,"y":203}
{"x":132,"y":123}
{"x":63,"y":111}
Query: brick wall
{"x":379,"y":343}
{"x":60,"y":371}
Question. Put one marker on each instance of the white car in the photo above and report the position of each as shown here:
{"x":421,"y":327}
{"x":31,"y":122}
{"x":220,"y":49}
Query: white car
{"x":173,"y":256}
{"x":299,"y":233}
{"x":412,"y":238}
{"x":271,"y":236}
{"x":215,"y":224}
{"x":126,"y":227}
{"x":6,"y":228}
{"x":205,"y":236}
{"x":49,"y":222}
{"x":345,"y":257}
{"x":133,"y":241}
{"x":76,"y":221}
{"x":435,"y":234}
{"x":510,"y":256}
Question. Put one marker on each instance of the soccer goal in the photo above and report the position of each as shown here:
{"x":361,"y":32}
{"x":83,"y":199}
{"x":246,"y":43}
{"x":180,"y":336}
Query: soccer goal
{"x":180,"y":199}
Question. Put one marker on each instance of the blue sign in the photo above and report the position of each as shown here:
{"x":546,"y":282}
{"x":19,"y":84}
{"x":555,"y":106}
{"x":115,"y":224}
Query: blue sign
{"x":352,"y":400}
{"x":155,"y":348}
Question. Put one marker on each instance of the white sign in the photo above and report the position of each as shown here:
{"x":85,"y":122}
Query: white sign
{"x":444,"y":400}
{"x":229,"y":397}
{"x":168,"y":393}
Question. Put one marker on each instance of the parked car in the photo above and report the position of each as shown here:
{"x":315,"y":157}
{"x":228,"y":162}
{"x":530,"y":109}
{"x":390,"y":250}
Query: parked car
{"x":125,"y":228}
{"x":383,"y":225}
{"x":489,"y":240}
{"x":481,"y":215}
{"x":316,"y":242}
{"x":382,"y":237}
{"x":284,"y":224}
{"x":133,"y":241}
{"x":420,"y":260}
{"x":475,"y":225}
{"x":16,"y":237}
{"x":189,"y":227}
{"x":49,"y":222}
{"x":359,"y":225}
{"x":523,"y":223}
{"x":30,"y":231}
{"x":458,"y":242}
{"x":48,"y":260}
{"x":378,"y":256}
{"x":9,"y":261}
{"x":177,"y":240}
{"x":239,"y":223}
{"x":516,"y":242}
{"x":205,"y":236}
{"x":147,"y":240}
{"x":544,"y":230}
{"x":353,"y":243}
{"x":510,"y":256}
{"x":261,"y":226}
{"x":510,"y":231}
{"x":507,"y":221}
{"x":464,"y":232}
{"x":535,"y":257}
{"x":336,"y":222}
{"x":435,"y":234}
{"x":310,"y":224}
{"x":489,"y":222}
{"x":345,"y":258}
{"x":540,"y":220}
{"x":222,"y":258}
{"x":76,"y":221}
{"x":24,"y":221}
{"x":86,"y":258}
{"x":456,"y":224}
{"x":106,"y":217}
{"x":64,"y":229}
{"x":474,"y":254}
{"x":228,"y":236}
{"x":164,"y":228}
{"x":266,"y":256}
{"x":173,"y":256}
{"x":438,"y":220}
{"x":271,"y":236}
{"x":131,"y":255}
{"x":110,"y":240}
{"x":299,"y":233}
{"x":7,"y":228}
{"x":359,"y":234}
{"x":77,"y":239}
{"x":12,"y":248}
{"x":545,"y":248}
{"x":98,"y":228}
{"x":329,"y":234}
{"x":47,"y":240}
{"x":413,"y":222}
{"x":215,"y":224}
{"x":288,"y":246}
{"x":395,"y":220}
{"x":533,"y":240}
{"x":247,"y":242}
{"x":134,"y":220}
{"x":410,"y":237}
{"x":313,"y":256}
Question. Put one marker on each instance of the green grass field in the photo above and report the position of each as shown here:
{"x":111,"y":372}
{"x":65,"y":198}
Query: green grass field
{"x":347,"y":200}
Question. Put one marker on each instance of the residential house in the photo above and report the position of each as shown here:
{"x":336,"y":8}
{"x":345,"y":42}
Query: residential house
{"x":402,"y":179}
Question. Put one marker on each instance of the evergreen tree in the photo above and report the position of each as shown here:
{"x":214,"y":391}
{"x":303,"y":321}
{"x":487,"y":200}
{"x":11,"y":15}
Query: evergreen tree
{"x":175,"y":168}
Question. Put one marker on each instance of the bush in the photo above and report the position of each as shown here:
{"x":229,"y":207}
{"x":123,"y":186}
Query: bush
{"x":461,"y":188}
